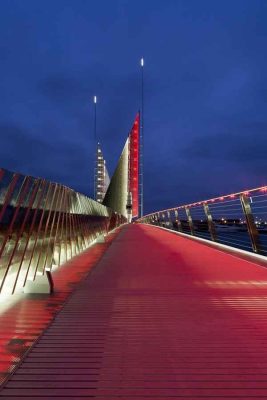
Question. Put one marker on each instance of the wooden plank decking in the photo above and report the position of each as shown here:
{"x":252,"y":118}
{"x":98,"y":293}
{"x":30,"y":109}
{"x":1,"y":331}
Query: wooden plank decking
{"x":160,"y":317}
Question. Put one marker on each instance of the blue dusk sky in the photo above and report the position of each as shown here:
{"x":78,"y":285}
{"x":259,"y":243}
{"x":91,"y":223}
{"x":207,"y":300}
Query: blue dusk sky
{"x":205,"y":91}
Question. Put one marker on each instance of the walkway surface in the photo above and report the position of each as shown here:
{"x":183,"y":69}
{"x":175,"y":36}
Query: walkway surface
{"x":24,"y":317}
{"x":160,"y":316}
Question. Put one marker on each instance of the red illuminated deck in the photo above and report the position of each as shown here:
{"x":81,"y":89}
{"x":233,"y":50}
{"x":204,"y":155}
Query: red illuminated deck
{"x":161,"y":316}
{"x":23,"y":322}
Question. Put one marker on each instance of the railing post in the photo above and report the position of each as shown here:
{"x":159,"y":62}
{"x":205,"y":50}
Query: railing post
{"x":190,"y":221}
{"x":179,"y":225}
{"x":252,"y":229}
{"x":162,"y":219}
{"x":169,"y":219}
{"x":211,"y":224}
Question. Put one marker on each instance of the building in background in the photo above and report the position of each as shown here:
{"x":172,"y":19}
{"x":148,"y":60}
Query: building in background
{"x":101,"y":180}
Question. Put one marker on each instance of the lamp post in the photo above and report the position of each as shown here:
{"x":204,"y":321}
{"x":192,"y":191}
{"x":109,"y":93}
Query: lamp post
{"x":95,"y":146}
{"x":141,"y":161}
{"x":95,"y":102}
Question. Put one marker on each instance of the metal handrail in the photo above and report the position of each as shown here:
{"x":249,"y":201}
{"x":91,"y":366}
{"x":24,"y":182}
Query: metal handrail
{"x":42,"y":225}
{"x":237,"y":219}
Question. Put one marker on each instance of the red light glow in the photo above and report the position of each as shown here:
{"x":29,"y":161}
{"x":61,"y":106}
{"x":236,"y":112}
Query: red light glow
{"x":134,"y":164}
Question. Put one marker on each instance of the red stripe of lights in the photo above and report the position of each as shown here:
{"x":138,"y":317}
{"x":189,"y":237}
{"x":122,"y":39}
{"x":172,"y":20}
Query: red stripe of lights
{"x":134,"y":165}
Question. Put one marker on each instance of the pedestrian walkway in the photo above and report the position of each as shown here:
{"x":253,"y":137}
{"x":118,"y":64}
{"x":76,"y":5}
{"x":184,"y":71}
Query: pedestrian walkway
{"x":24,"y":317}
{"x":160,"y":317}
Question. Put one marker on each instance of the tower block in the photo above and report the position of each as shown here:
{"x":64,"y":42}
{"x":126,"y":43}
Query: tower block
{"x":101,"y":181}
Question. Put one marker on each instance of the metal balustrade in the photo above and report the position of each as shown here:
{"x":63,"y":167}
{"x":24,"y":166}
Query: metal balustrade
{"x":42,"y":225}
{"x":238,"y":220}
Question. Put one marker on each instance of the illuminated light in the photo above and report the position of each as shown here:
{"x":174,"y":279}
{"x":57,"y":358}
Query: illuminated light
{"x":95,"y":99}
{"x":133,"y":164}
{"x":222,"y":198}
{"x":142,"y":62}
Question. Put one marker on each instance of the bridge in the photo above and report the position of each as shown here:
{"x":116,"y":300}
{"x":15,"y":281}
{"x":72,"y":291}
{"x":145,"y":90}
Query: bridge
{"x":99,"y":301}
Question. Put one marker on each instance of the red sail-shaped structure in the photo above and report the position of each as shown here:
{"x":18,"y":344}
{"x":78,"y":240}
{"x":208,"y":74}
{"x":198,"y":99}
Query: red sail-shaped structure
{"x":124,"y":184}
{"x":134,"y":165}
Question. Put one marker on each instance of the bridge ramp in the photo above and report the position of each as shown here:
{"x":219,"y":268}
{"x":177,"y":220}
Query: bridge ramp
{"x":161,"y":317}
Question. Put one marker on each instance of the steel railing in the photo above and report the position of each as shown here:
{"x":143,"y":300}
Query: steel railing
{"x":238,"y":220}
{"x":42,"y":225}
